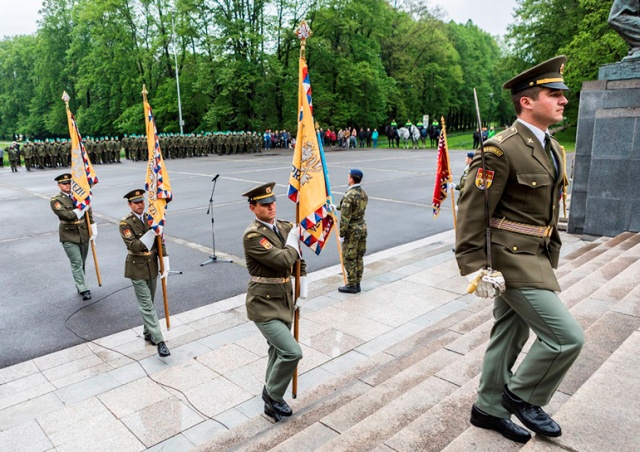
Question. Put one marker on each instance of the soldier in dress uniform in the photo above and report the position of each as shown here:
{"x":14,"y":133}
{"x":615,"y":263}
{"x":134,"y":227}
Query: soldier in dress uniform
{"x":74,"y":233}
{"x":524,"y":178}
{"x":353,"y":231}
{"x":141,"y":265}
{"x":270,"y":260}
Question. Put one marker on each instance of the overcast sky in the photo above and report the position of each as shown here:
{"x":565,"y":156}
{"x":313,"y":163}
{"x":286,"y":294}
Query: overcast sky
{"x":20,"y":16}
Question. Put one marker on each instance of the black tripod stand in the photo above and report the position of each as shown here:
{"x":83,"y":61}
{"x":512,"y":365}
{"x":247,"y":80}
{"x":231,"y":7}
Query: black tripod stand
{"x":213,"y":258}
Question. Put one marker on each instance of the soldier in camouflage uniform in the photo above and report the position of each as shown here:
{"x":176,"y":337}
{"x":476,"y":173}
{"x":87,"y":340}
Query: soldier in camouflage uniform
{"x":27,"y":153}
{"x":353,"y":231}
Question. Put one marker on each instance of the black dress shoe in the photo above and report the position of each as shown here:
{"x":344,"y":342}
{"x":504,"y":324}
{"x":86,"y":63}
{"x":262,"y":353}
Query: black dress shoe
{"x":163,"y":350}
{"x":532,"y":416}
{"x":503,"y":426}
{"x":148,"y":338}
{"x":269,"y":411}
{"x":86,"y":295}
{"x":281,"y":408}
{"x":348,"y":289}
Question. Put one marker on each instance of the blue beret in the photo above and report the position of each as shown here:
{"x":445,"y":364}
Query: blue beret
{"x":356,"y":172}
{"x":470,"y":154}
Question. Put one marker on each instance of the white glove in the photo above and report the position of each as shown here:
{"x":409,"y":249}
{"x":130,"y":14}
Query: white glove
{"x":451,"y":186}
{"x":304,"y":287}
{"x":293,"y":239}
{"x":341,"y":239}
{"x":79,"y":213}
{"x":148,"y":238}
{"x":167,"y":268}
{"x":486,"y":283}
{"x":94,"y":232}
{"x":333,"y":207}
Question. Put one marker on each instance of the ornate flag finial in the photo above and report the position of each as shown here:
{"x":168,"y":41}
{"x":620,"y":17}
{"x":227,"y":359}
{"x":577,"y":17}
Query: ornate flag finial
{"x":303,"y":31}
{"x":65,"y":97}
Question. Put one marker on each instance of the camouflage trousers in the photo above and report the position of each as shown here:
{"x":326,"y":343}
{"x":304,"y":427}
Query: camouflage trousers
{"x":353,"y":249}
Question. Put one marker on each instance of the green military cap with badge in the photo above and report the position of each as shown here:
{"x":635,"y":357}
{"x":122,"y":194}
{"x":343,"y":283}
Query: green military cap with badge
{"x":64,"y":178}
{"x":136,"y":195}
{"x":262,"y":194}
{"x":547,"y":74}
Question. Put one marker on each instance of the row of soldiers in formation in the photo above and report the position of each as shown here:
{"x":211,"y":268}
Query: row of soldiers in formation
{"x":54,"y":153}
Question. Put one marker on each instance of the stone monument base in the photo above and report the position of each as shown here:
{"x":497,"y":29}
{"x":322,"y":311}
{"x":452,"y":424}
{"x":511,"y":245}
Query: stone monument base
{"x":605,"y":198}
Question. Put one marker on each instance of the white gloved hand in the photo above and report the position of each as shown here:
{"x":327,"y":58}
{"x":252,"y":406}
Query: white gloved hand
{"x":304,"y":287}
{"x":341,"y":239}
{"x":167,"y":268}
{"x":486,"y":283}
{"x":451,"y":186}
{"x":94,"y":232}
{"x":293,"y":239}
{"x":333,"y":207}
{"x":148,"y":238}
{"x":79,"y":213}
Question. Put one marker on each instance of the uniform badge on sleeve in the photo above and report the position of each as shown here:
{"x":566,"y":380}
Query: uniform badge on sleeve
{"x":127,"y":233}
{"x":480,"y":178}
{"x":266,"y":244}
{"x":57,"y":205}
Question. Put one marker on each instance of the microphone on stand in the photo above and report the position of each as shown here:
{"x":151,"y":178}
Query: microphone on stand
{"x":214,"y":179}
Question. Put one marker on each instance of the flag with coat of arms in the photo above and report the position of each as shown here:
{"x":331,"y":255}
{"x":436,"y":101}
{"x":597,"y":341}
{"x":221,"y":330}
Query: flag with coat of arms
{"x":308,"y":183}
{"x":157,"y":182}
{"x":443,"y":172}
{"x":83,"y":177}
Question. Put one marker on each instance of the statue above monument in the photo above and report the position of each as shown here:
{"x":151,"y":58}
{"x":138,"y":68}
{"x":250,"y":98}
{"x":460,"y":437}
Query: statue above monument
{"x":624,"y":18}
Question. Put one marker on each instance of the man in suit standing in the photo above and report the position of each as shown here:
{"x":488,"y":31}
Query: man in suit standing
{"x":141,"y":265}
{"x":524,"y":178}
{"x":270,"y":304}
{"x":74,"y":233}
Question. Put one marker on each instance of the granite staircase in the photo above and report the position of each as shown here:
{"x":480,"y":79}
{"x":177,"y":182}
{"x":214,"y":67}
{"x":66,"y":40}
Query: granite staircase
{"x":417,"y":393}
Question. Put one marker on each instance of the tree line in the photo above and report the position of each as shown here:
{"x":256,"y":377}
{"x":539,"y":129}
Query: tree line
{"x":370,"y":61}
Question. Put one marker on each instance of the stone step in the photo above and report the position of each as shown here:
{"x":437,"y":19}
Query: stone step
{"x":603,"y":414}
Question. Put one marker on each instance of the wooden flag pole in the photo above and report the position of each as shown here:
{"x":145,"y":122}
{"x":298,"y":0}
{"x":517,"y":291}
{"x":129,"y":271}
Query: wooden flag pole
{"x":446,"y":149}
{"x":296,"y":312}
{"x":164,"y":283}
{"x":93,"y":251}
{"x":337,"y":228}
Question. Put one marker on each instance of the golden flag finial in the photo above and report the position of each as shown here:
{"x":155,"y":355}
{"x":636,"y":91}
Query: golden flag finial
{"x":66,"y":98}
{"x":144,"y":92}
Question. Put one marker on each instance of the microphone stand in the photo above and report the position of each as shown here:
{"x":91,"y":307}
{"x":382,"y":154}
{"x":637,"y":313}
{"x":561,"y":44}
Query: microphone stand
{"x":213,"y":258}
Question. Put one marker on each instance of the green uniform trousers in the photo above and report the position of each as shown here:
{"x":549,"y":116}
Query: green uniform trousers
{"x":145,"y":293}
{"x":77,"y":254}
{"x":284,"y":354}
{"x":353,"y":250}
{"x":559,"y":341}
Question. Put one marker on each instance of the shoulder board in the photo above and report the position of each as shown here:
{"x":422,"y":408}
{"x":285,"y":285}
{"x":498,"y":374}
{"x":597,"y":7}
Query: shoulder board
{"x":284,"y":222}
{"x":493,"y":150}
{"x":505,"y":135}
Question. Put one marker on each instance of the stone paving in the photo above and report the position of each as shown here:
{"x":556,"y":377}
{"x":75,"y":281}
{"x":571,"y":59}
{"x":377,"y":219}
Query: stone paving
{"x":115,"y":393}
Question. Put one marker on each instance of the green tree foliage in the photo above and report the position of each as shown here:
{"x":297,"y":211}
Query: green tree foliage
{"x":370,"y":61}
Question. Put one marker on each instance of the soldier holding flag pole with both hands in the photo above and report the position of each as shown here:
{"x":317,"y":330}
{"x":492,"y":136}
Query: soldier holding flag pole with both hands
{"x":73,"y":207}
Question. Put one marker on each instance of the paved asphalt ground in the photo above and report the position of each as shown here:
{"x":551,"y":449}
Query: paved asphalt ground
{"x":40,"y":311}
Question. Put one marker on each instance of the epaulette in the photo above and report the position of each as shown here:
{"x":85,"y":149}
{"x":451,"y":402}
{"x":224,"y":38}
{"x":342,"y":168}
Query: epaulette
{"x":285,"y":222}
{"x":505,"y":135}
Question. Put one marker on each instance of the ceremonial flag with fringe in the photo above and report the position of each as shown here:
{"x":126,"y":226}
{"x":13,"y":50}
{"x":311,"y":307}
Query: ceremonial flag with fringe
{"x":157,"y":183}
{"x":82,"y":175}
{"x":443,"y":173}
{"x":309,"y":180}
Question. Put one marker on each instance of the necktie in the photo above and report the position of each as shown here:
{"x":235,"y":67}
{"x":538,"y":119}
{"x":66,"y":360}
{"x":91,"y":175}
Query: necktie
{"x":547,"y":149}
{"x":275,"y":229}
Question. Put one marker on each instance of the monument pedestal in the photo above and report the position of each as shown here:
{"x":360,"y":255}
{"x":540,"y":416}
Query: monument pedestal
{"x":605,"y":198}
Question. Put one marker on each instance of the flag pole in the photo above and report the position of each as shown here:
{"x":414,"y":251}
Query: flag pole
{"x":66,"y":99}
{"x":446,"y":149}
{"x":158,"y":237}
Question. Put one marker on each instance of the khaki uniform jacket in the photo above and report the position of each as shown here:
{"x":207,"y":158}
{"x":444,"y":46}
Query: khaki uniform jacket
{"x":266,"y":256}
{"x":524,"y":189}
{"x":141,"y":263}
{"x":71,"y":229}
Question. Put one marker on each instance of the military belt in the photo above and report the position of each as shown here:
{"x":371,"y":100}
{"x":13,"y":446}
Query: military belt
{"x":263,"y":280}
{"x":145,"y":253}
{"x":521,"y":228}
{"x":72,"y":222}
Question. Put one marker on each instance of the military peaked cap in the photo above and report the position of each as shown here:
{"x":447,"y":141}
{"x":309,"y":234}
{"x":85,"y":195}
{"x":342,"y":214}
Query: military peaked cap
{"x":63,"y":178}
{"x":135,"y":195}
{"x":547,"y":74}
{"x":263,"y":194}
